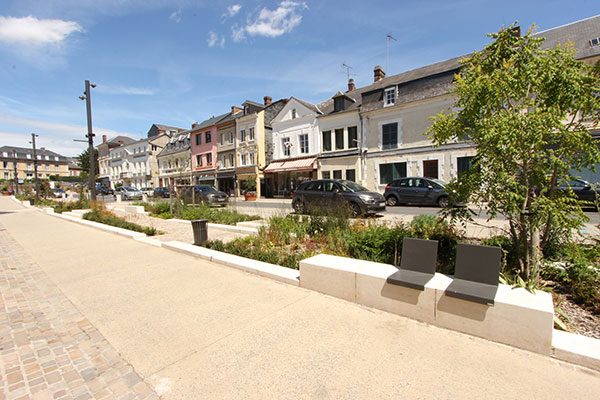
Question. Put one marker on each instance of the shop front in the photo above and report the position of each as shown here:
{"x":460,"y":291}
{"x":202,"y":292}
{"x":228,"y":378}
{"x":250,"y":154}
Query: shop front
{"x":283,"y":177}
{"x":226,"y":182}
{"x":205,"y":179}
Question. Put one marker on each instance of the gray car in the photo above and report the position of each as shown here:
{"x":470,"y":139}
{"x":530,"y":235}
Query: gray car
{"x":128,"y":193}
{"x":416,"y":190}
{"x":330,"y":194}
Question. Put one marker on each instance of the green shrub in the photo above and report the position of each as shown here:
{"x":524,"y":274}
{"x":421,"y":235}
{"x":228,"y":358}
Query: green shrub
{"x":217,"y":216}
{"x":108,"y":218}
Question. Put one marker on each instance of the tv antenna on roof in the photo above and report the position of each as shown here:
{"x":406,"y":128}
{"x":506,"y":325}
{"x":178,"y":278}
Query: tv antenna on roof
{"x":347,"y":68}
{"x":387,"y":63}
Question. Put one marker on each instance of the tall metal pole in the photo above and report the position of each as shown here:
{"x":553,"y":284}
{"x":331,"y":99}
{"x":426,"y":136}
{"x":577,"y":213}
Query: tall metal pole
{"x":16,"y":173}
{"x":37,"y":192}
{"x":90,"y":136}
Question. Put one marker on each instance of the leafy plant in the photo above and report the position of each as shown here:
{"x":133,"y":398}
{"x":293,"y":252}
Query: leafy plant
{"x":108,"y":218}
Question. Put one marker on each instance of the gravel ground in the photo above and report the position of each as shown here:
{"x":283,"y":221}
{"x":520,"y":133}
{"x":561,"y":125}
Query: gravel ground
{"x":176,"y":230}
{"x":581,"y":321}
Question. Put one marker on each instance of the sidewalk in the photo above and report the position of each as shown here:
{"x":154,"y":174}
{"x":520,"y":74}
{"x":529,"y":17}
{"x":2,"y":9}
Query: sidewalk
{"x":192,"y":329}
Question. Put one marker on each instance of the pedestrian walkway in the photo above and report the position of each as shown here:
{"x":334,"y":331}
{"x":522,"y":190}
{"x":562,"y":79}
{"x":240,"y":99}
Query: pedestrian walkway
{"x":48,"y":349}
{"x":192,"y":329}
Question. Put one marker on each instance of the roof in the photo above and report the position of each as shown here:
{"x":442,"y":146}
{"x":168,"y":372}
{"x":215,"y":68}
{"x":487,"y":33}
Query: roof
{"x":579,"y":33}
{"x":230,"y":117}
{"x":211,"y":121}
{"x":177,"y":144}
{"x":308,"y":105}
{"x":23,"y":151}
{"x":167,"y":127}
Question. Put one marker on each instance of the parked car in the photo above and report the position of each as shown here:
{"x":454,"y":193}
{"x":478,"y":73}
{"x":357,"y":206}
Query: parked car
{"x":128,"y":193}
{"x":205,"y":194}
{"x":162,"y":192}
{"x":104,"y":190}
{"x":148,"y":191}
{"x":323,"y":194}
{"x":582,"y":189}
{"x":417,"y":190}
{"x":59,"y":193}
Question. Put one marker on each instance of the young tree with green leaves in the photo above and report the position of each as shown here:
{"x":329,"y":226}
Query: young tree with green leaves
{"x":528,"y":111}
{"x":84,"y":161}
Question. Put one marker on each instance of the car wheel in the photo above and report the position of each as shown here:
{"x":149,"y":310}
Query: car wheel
{"x":355,"y":210}
{"x":298,"y":207}
{"x":391,"y":201}
{"x":443,"y":202}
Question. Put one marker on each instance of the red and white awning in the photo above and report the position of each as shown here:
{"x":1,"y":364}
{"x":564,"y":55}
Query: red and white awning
{"x":292,"y":165}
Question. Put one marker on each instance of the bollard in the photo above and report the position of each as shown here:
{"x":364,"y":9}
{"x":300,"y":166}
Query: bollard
{"x":144,"y":197}
{"x":200,"y":229}
{"x":119,"y":198}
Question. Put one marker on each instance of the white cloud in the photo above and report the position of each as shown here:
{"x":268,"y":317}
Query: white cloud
{"x":176,"y":16}
{"x":273,"y":23}
{"x":215,"y":40}
{"x":234,"y":9}
{"x":238,"y":33}
{"x":32,"y":31}
{"x":129,"y":90}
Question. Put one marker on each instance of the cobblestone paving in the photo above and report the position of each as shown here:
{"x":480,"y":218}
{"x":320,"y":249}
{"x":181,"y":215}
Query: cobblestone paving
{"x":48,"y":349}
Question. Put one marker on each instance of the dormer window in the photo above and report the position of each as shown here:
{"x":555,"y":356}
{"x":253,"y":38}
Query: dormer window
{"x":594,"y":42}
{"x":338,"y":104}
{"x":389,"y":98}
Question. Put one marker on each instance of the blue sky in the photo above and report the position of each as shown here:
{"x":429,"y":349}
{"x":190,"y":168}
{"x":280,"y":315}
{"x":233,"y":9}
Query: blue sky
{"x":178,"y":62}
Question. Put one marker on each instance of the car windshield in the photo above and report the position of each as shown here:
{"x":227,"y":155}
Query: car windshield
{"x":439,"y":182}
{"x":349,"y":186}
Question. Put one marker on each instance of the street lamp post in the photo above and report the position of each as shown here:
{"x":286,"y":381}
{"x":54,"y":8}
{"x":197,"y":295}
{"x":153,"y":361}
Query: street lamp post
{"x":37,"y":186}
{"x":90,"y":137}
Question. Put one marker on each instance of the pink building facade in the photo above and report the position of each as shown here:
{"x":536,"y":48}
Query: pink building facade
{"x":204,"y":151}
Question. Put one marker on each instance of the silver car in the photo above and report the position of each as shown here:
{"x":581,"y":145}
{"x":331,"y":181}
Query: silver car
{"x":128,"y":193}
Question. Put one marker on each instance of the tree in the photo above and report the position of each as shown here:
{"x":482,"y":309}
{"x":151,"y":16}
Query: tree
{"x":528,"y":112}
{"x":83,"y":160}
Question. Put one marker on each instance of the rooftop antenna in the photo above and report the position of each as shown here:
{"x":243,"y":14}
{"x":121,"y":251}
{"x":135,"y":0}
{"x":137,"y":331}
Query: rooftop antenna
{"x":387,"y":64}
{"x":348,"y":68}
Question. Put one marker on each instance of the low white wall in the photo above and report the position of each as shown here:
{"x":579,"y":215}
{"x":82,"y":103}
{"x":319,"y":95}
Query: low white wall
{"x":518,"y":317}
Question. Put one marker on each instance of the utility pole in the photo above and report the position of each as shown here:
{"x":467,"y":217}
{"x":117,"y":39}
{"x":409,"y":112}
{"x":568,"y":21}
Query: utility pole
{"x":387,"y":64}
{"x":16,"y":173}
{"x":37,"y":191}
{"x":90,"y":137}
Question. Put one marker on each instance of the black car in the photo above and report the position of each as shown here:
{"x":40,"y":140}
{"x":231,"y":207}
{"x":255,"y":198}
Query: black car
{"x":582,"y":189}
{"x":104,"y":190}
{"x":322,"y":194}
{"x":416,"y":190}
{"x":205,"y":194}
{"x":162,"y":192}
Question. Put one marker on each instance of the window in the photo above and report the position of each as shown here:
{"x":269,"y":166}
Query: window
{"x":464,"y":164}
{"x":29,"y":166}
{"x":326,"y":140}
{"x":293,"y":113}
{"x":326,"y":175}
{"x":230,"y":137}
{"x":28,"y":155}
{"x":351,"y":175}
{"x":251,"y":157}
{"x":223,"y":160}
{"x":352,"y":137}
{"x":222,"y":139}
{"x":208,"y":137}
{"x":199,"y":160}
{"x":389,"y":98}
{"x":4,"y":164}
{"x":286,"y":146}
{"x":154,"y":147}
{"x":390,"y":172}
{"x":594,"y":42}
{"x":208,"y":159}
{"x":198,"y":139}
{"x":251,"y":134}
{"x":390,"y":136}
{"x":47,"y":157}
{"x":339,"y":139}
{"x":430,"y":169}
{"x":6,"y":175}
{"x":55,"y":158}
{"x":4,"y":154}
{"x":243,"y":158}
{"x":337,"y":174}
{"x":314,"y":186}
{"x":242,"y":135}
{"x":231,"y":160}
{"x":304,"y":143}
{"x":338,"y":104}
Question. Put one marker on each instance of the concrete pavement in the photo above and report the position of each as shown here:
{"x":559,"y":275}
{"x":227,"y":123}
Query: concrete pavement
{"x":194,"y":329}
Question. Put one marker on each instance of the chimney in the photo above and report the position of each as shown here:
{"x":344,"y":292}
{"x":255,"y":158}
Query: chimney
{"x":350,"y":84}
{"x":235,"y":109}
{"x":268,"y":100}
{"x":42,"y":148}
{"x":378,"y":73}
{"x":121,"y":143}
{"x":103,"y":138}
{"x":195,"y":124}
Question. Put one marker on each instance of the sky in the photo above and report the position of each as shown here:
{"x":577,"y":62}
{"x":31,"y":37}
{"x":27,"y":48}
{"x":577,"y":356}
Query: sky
{"x":182,"y":61}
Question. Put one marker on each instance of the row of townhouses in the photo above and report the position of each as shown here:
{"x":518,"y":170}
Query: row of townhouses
{"x":19,"y":162}
{"x":370,"y":135}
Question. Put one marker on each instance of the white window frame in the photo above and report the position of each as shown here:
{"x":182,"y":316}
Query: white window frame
{"x":251,"y":157}
{"x":251,"y":134}
{"x":285,"y":150}
{"x":242,"y":135}
{"x":389,"y":97}
{"x":304,"y":147}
